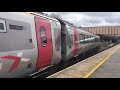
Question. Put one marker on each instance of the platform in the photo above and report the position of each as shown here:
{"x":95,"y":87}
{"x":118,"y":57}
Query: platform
{"x":102,"y":65}
{"x":110,"y":68}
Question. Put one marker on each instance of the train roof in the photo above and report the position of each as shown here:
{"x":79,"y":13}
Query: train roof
{"x":35,"y":14}
{"x":42,"y":15}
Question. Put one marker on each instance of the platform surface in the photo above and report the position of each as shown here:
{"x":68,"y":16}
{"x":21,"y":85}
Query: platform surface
{"x":110,"y":68}
{"x":104,"y":64}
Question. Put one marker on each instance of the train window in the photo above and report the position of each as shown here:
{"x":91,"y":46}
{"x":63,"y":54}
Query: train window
{"x":90,"y":39}
{"x":89,"y":36}
{"x":86,"y":36}
{"x":93,"y":39}
{"x":43,"y":36}
{"x":85,"y":39}
{"x":2,"y":25}
{"x":81,"y":37}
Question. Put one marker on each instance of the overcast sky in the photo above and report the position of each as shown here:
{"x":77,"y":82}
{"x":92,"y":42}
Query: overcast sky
{"x":90,"y":18}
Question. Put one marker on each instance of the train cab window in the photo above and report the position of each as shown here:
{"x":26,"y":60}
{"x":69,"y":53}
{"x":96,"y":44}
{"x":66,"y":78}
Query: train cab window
{"x":2,"y":25}
{"x":43,"y":36}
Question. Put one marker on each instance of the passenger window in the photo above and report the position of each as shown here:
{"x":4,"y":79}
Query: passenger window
{"x":86,"y":36}
{"x":89,"y":36}
{"x":43,"y":36}
{"x":2,"y":25}
{"x":91,"y":39}
{"x":81,"y":37}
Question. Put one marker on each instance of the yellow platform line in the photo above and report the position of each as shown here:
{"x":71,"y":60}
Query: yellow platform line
{"x":86,"y":76}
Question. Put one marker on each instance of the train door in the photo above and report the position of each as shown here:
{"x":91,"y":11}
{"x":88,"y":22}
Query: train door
{"x":44,"y":41}
{"x":75,"y":42}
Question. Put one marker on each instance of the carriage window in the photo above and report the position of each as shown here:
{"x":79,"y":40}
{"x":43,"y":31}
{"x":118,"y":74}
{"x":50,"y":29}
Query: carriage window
{"x":43,"y":36}
{"x":81,"y":37}
{"x":2,"y":25}
{"x":86,"y":36}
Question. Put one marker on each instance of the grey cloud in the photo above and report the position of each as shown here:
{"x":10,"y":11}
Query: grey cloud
{"x":112,"y":19}
{"x":93,"y":21}
{"x":91,"y":18}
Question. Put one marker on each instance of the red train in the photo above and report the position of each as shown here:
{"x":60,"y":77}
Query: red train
{"x":30,"y":42}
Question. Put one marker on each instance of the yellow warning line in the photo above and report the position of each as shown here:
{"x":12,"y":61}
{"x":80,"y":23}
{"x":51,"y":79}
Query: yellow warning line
{"x":86,"y":76}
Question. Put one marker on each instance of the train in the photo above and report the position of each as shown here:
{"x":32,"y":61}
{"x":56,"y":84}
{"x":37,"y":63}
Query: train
{"x":31,"y":41}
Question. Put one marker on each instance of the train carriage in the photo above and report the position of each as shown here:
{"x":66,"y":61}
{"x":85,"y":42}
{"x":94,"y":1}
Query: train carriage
{"x":30,"y":42}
